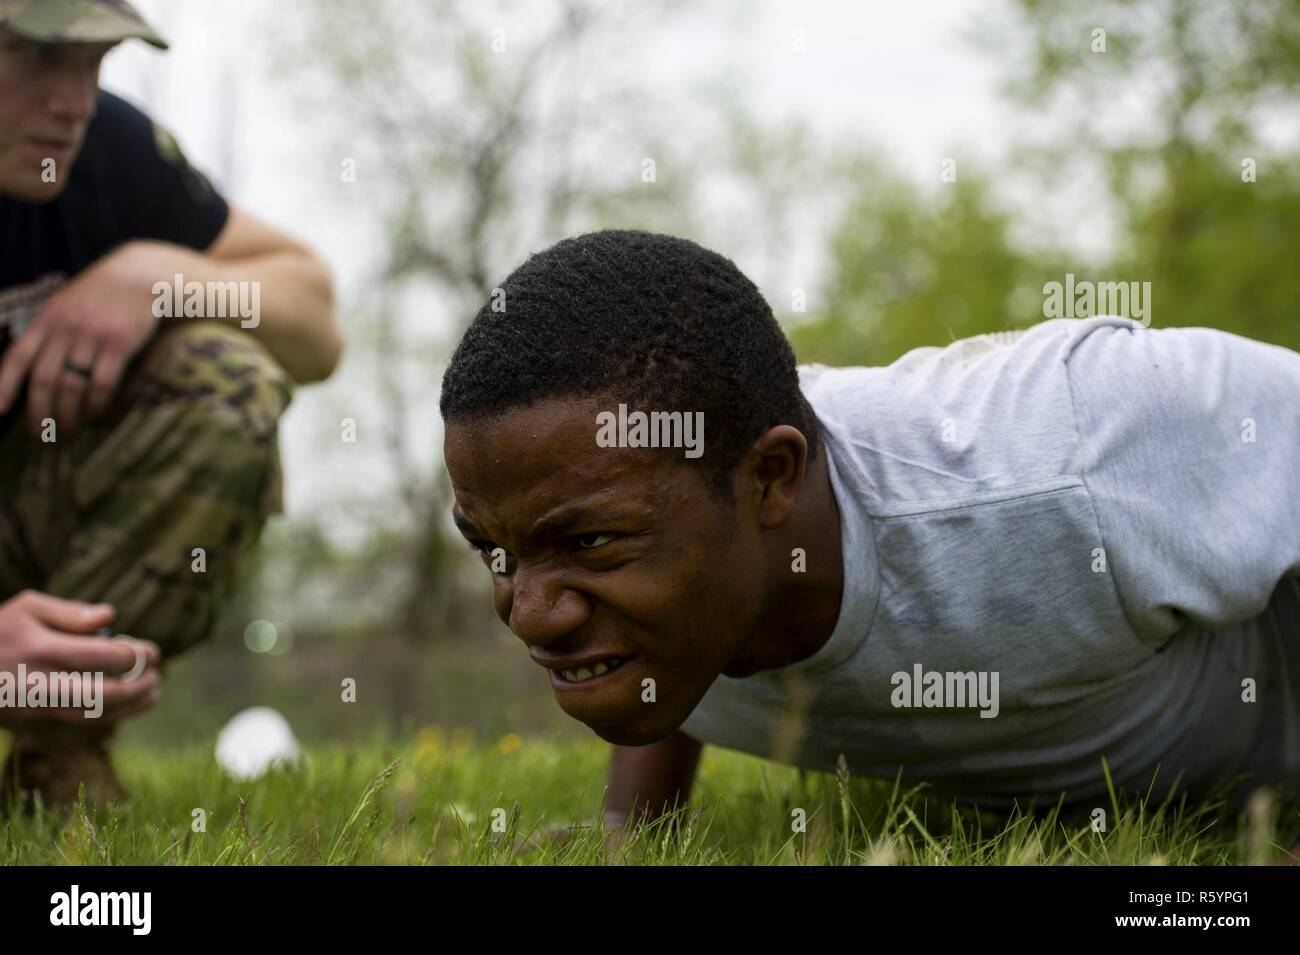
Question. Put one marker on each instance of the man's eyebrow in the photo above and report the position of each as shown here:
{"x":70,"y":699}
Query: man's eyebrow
{"x":553,"y":524}
{"x":564,"y":517}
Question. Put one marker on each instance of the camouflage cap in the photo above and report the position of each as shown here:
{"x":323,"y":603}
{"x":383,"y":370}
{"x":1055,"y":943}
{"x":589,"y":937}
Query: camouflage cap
{"x":76,"y":21}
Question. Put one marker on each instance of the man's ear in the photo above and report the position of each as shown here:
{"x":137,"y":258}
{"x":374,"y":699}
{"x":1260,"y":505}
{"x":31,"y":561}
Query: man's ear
{"x":777,"y":463}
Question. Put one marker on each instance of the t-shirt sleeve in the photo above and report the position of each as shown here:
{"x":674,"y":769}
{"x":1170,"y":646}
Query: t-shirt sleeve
{"x":155,"y":192}
{"x":1189,"y":443}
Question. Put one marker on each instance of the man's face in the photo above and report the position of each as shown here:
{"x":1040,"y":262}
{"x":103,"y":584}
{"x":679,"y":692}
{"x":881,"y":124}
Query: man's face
{"x":47,"y":99}
{"x":613,"y":555}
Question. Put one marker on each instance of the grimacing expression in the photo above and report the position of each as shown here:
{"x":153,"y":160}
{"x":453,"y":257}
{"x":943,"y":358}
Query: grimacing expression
{"x":612,"y":555}
{"x":47,"y":99}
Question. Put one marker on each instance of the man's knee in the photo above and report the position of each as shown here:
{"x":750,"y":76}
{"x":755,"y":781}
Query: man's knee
{"x":196,"y":419}
{"x":174,"y":488}
{"x":229,"y":378}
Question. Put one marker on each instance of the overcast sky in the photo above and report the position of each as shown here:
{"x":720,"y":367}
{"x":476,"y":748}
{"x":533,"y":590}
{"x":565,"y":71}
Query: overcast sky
{"x":894,"y":74}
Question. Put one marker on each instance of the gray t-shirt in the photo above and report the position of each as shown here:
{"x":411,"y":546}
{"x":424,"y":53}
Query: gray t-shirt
{"x":1105,"y":516}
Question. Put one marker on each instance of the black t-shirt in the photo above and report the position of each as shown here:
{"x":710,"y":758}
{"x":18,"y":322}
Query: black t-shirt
{"x":130,"y":181}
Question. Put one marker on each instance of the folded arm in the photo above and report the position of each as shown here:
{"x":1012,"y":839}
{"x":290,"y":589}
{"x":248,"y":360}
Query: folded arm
{"x":73,"y":355}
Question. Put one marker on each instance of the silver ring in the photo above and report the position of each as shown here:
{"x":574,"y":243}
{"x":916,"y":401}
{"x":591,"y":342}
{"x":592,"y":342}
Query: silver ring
{"x":82,"y":370}
{"x":141,"y":660}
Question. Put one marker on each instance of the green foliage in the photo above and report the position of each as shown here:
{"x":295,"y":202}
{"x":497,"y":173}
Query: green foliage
{"x":1167,"y":113}
{"x":1198,"y":84}
{"x":910,"y":269}
{"x":1211,"y":59}
{"x":1220,"y":252}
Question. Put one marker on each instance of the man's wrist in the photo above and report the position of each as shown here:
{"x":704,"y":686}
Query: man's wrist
{"x":615,"y":818}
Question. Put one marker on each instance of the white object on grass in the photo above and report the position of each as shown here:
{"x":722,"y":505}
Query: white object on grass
{"x":255,"y":740}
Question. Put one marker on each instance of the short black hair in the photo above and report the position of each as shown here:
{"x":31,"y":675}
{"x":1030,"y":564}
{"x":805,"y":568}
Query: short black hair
{"x":655,"y":320}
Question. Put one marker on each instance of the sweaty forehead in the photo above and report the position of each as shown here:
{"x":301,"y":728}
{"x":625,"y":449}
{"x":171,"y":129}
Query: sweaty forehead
{"x":544,"y":455}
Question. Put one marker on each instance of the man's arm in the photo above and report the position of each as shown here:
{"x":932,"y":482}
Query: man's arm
{"x":1190,"y":442}
{"x":297,"y":325}
{"x":296,"y":321}
{"x":650,"y":780}
{"x":99,"y":321}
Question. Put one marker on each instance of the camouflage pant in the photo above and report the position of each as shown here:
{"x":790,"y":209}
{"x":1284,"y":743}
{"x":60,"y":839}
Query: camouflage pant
{"x":155,"y":506}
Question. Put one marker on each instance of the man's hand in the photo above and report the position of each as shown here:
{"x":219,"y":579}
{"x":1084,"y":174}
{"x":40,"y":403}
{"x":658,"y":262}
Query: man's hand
{"x":56,"y":636}
{"x":616,"y":833}
{"x":74,"y":353}
{"x":645,"y":783}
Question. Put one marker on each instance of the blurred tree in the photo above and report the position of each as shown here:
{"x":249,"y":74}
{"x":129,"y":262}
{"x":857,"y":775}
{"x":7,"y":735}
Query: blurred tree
{"x":492,"y":136}
{"x":1221,"y":253}
{"x":1166,"y":98}
{"x":911,"y":269}
{"x":1172,"y":99}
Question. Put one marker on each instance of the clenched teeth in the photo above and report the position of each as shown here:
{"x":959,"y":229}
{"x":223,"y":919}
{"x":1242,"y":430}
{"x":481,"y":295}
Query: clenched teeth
{"x":586,"y":673}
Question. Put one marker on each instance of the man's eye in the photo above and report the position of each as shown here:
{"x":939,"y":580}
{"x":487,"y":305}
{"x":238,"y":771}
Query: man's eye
{"x":588,"y":541}
{"x":41,"y":56}
{"x":496,"y":557}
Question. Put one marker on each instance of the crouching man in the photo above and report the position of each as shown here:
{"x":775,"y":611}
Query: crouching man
{"x":138,"y":456}
{"x":998,"y":567}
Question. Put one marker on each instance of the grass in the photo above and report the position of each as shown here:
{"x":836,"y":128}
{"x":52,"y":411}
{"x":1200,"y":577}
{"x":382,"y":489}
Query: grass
{"x":442,"y":798}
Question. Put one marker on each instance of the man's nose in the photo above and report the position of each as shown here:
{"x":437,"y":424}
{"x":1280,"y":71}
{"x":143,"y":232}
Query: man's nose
{"x":73,"y":93}
{"x":542,"y":608}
